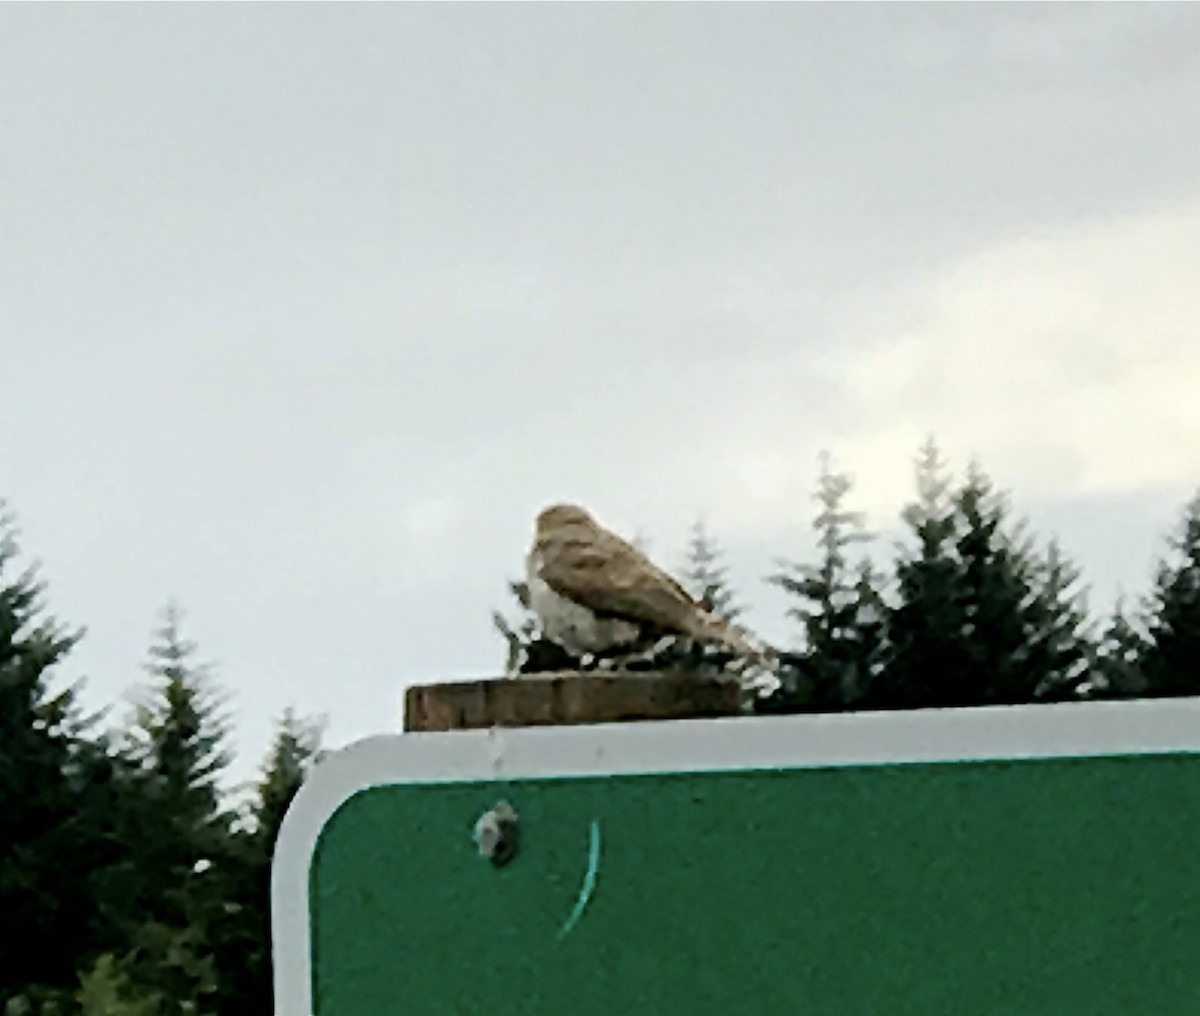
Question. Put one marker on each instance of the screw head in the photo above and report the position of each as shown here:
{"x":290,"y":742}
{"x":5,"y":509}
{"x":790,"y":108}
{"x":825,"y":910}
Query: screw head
{"x":495,"y":834}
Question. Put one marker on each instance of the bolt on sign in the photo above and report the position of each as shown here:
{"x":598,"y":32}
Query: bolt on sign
{"x":1014,"y":861}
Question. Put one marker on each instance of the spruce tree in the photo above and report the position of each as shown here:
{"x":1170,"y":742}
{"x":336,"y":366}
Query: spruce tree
{"x":296,"y":748}
{"x":981,"y":617}
{"x":185,"y":862}
{"x":926,"y":659}
{"x":706,"y":576}
{"x":997,"y":585}
{"x":966,"y":597}
{"x":870,"y":633}
{"x":1170,"y":662}
{"x":1117,"y":671}
{"x":46,"y":841}
{"x":1060,"y":645}
{"x":243,"y":949}
{"x":838,"y":605}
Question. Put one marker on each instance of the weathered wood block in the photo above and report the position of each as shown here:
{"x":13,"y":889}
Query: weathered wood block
{"x":568,"y":697}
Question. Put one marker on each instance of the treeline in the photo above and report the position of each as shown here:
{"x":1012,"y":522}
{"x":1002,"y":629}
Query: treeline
{"x":970,"y":609}
{"x":130,"y":884}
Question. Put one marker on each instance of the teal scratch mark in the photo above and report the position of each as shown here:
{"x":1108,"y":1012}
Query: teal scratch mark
{"x":589,"y":882}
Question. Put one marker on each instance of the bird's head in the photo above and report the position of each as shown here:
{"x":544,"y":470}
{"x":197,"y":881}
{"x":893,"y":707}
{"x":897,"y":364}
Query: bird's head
{"x":556,"y":516}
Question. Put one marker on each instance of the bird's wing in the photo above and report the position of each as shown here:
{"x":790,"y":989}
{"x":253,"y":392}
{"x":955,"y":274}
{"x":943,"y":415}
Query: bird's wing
{"x":613,"y":578}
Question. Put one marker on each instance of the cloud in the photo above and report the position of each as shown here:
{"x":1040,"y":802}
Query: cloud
{"x":1066,"y":360}
{"x":332,"y":342}
{"x":1063,"y":359}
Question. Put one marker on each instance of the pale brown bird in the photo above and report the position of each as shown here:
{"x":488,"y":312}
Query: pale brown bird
{"x":594,"y":592}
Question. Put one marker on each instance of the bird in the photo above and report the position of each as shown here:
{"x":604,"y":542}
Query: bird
{"x":593,"y":593}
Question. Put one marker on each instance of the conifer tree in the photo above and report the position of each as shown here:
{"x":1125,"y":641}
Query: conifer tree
{"x":706,"y":576}
{"x":46,"y":844}
{"x":1170,"y":661}
{"x":296,"y":748}
{"x":870,"y":633}
{"x":1060,"y":645}
{"x":925,"y":625}
{"x":1117,"y":671}
{"x":838,"y":605}
{"x":964,"y":592}
{"x":186,"y":858}
{"x":996,"y":572}
{"x":981,"y":617}
{"x":243,"y":949}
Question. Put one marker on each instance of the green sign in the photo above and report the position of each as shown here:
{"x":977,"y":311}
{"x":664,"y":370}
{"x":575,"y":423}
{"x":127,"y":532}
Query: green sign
{"x":1017,"y":861}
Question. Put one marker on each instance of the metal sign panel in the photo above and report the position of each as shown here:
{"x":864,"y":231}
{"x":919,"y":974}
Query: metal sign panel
{"x":1015,"y":861}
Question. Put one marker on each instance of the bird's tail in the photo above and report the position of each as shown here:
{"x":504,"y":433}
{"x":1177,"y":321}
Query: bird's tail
{"x":711,"y":628}
{"x":758,"y":668}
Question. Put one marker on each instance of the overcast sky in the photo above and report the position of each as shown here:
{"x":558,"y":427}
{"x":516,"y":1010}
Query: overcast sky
{"x":305,"y":310}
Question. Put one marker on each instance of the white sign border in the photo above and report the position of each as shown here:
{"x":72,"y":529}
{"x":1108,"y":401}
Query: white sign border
{"x":1064,"y":730}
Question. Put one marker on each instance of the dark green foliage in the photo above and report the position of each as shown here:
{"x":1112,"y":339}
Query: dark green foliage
{"x":183,"y":864}
{"x":1170,"y":661}
{"x":243,"y":947}
{"x":995,"y":580}
{"x":927,"y":662}
{"x":980,"y":617}
{"x":1060,"y":645}
{"x":47,"y":916}
{"x":870,"y":629}
{"x":105,"y":990}
{"x":838,"y":605}
{"x":297,"y":747}
{"x":1117,"y":672}
{"x":126,"y":886}
{"x":996,"y":572}
{"x":130,"y":887}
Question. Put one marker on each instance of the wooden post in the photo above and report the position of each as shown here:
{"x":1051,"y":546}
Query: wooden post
{"x":568,"y":697}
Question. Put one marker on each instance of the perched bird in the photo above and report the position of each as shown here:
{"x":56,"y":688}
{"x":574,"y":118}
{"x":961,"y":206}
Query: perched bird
{"x":595,"y":593}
